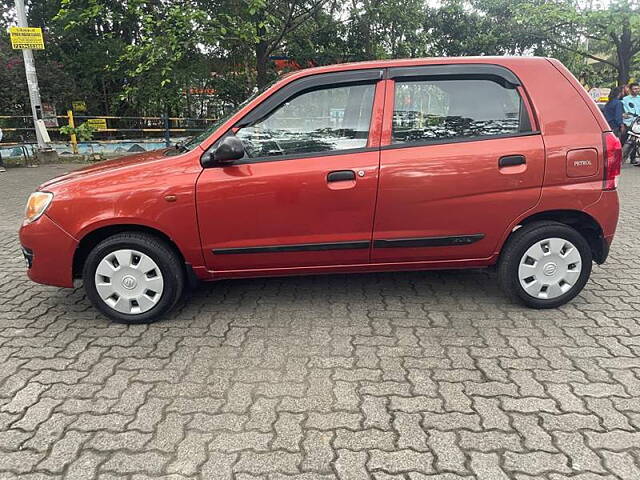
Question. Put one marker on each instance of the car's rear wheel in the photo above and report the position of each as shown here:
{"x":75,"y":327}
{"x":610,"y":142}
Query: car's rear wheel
{"x":133,"y":277}
{"x":545,"y":264}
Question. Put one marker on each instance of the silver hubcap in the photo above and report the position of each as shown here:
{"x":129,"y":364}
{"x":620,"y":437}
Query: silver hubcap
{"x":550,"y":268}
{"x":129,"y":281}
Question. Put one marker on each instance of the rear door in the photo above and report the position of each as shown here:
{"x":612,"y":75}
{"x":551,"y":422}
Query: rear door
{"x":460,"y":160}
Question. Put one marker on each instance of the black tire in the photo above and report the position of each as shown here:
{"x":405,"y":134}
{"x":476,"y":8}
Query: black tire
{"x":517,"y":246}
{"x":630,"y":152}
{"x":162,"y":254}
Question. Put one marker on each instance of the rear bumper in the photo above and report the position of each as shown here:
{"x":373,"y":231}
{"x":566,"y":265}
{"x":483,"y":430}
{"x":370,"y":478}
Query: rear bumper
{"x":602,"y":253}
{"x":606,"y":212}
{"x":48,"y":252}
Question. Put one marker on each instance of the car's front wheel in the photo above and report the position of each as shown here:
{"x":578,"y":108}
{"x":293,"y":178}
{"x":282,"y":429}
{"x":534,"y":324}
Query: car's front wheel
{"x":133,"y":277}
{"x":545,"y":264}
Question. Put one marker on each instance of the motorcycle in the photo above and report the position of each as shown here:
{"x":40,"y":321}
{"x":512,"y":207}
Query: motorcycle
{"x":632,"y":144}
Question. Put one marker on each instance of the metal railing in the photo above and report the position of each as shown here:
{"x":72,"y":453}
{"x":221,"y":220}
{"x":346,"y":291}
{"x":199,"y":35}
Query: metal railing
{"x":16,"y":127}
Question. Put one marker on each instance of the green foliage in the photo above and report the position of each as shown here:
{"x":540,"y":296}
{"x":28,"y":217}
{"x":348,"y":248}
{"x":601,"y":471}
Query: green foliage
{"x":609,"y":37}
{"x":84,"y":132}
{"x":149,"y":58}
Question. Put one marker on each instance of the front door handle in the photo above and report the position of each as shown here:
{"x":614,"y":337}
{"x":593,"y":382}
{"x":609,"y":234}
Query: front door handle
{"x":511,"y":161}
{"x":341,"y":176}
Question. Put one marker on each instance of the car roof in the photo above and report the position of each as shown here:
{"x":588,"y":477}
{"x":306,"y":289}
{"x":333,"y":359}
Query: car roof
{"x":411,"y":62}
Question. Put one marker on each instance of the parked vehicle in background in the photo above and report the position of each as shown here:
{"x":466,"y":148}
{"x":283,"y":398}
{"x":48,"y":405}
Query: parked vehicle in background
{"x":375,"y":166}
{"x":632,"y":143}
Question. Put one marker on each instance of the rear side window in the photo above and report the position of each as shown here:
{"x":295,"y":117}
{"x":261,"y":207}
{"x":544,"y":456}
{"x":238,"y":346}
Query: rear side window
{"x":441,"y":110}
{"x":323,"y":120}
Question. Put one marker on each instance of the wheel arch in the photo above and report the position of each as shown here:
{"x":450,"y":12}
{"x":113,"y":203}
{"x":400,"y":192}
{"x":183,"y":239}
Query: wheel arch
{"x":95,"y":236}
{"x":584,"y":223}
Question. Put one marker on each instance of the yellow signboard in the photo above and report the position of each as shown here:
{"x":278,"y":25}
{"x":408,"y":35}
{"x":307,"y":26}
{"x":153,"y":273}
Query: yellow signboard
{"x":79,"y":106}
{"x":98,"y":123}
{"x":26,"y":38}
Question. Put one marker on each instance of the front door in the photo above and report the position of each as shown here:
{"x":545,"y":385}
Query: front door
{"x":461,"y":162}
{"x":304,"y":195}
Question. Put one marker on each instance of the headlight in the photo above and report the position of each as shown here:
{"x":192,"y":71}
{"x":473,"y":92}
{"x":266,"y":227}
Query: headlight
{"x":36,"y":205}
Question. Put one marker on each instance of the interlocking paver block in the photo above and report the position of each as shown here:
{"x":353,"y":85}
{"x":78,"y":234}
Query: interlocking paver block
{"x":375,"y":412}
{"x":450,"y":421}
{"x":190,"y":454}
{"x":580,"y":456}
{"x":219,"y":465}
{"x":288,"y":432}
{"x":19,"y":461}
{"x":390,"y":376}
{"x":448,"y":455}
{"x":529,"y":405}
{"x":364,"y":439}
{"x":613,"y":440}
{"x":611,"y":418}
{"x":123,"y":463}
{"x":64,"y":451}
{"x":410,"y":432}
{"x":25,"y":397}
{"x":104,"y":441}
{"x":570,"y":422}
{"x":86,"y":466}
{"x":333,"y":420}
{"x":400,"y":461}
{"x":351,"y":465}
{"x":276,"y":461}
{"x":318,"y":453}
{"x":486,"y":466}
{"x":622,"y":464}
{"x":490,"y":441}
{"x":536,"y":463}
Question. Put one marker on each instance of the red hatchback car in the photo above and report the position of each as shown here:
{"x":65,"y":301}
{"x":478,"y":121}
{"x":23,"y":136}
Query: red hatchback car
{"x":397,"y":165}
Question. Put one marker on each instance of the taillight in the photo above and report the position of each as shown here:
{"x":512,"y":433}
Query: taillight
{"x":612,"y":161}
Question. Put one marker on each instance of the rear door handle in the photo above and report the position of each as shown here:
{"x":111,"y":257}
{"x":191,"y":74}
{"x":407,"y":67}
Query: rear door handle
{"x":511,"y":161}
{"x":341,"y":176}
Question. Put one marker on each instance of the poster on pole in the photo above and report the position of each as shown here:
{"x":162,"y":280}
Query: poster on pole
{"x":49,"y":115}
{"x":26,"y":38}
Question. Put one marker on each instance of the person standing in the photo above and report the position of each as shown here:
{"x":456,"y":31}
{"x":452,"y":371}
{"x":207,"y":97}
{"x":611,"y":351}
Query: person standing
{"x":2,"y":169}
{"x":631,"y":110}
{"x":614,"y":110}
{"x":631,"y":104}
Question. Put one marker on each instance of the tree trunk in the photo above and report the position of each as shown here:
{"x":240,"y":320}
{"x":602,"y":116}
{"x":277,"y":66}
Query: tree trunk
{"x":261,"y":63}
{"x":623,"y":74}
{"x":624,"y":52}
{"x":105,"y":96}
{"x":262,"y":56}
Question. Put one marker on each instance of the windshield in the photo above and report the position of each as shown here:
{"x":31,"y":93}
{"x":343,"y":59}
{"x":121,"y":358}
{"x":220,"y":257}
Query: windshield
{"x":198,"y":139}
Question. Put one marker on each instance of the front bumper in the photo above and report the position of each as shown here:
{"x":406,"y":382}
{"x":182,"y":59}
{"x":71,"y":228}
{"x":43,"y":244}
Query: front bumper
{"x":28,"y":257}
{"x":48,"y":251}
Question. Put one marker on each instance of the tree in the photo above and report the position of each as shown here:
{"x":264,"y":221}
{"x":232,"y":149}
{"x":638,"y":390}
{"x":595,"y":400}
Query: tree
{"x":272,"y":22}
{"x":619,"y":25}
{"x":144,"y":57}
{"x":610,"y":36}
{"x":89,"y":37}
{"x":385,"y":29}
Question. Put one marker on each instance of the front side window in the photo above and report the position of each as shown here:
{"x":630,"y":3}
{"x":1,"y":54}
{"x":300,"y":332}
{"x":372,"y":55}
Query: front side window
{"x":432,"y":110}
{"x":317,"y":121}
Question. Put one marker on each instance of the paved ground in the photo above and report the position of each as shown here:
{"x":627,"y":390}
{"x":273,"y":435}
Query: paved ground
{"x":411,"y":375}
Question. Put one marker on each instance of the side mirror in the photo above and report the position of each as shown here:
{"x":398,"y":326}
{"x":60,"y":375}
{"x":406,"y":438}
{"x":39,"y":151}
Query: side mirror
{"x":230,"y":149}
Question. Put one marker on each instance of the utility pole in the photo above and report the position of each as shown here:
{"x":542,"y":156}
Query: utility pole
{"x":32,"y":84}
